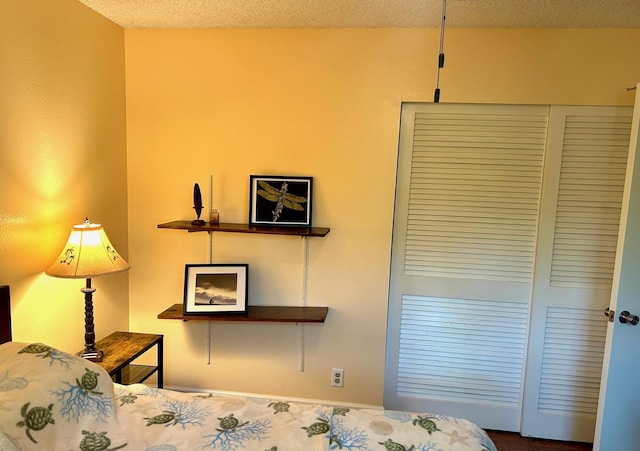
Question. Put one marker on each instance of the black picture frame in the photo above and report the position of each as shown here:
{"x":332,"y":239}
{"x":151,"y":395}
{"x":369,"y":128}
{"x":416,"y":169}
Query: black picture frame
{"x":280,"y":201}
{"x":212,"y":289}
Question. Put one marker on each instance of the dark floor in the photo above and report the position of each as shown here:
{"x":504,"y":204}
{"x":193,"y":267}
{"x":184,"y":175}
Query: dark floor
{"x":512,"y":441}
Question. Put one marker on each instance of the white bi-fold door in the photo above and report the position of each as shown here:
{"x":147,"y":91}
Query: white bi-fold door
{"x":618,"y":425}
{"x":503,"y":244}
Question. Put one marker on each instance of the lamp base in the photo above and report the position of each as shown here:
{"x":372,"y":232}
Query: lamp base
{"x":90,"y":352}
{"x":94,"y":356}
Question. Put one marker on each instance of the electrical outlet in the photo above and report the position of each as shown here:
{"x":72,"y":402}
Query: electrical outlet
{"x":337,"y":377}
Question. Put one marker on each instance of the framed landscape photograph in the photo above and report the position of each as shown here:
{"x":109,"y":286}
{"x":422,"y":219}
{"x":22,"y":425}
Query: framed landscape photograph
{"x":280,"y":201}
{"x":215,"y":288}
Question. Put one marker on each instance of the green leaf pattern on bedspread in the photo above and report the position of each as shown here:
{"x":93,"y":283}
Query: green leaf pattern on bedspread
{"x":53,"y":401}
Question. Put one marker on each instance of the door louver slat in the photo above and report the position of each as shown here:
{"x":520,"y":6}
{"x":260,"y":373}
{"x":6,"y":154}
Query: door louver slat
{"x":589,"y":201}
{"x":473,"y":199}
{"x":572,"y":361}
{"x":457,"y":349}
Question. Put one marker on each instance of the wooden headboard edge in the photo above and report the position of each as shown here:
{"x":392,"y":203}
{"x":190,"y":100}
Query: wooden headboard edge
{"x":5,"y":314}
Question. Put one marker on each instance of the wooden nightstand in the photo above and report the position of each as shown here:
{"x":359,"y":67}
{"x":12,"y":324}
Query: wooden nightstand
{"x":122,"y":348}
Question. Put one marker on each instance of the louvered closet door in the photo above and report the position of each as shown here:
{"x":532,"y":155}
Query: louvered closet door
{"x":466,"y":213}
{"x":495,"y":268}
{"x":582,"y":199}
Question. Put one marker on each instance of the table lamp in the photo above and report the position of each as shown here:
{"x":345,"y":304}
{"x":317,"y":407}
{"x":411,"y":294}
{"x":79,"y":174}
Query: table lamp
{"x":88,"y":253}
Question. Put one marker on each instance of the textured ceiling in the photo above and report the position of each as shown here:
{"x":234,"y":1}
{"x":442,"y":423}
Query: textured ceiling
{"x":369,"y":13}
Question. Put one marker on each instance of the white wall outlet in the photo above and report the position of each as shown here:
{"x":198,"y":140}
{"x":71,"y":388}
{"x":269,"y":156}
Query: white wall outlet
{"x":337,"y":377}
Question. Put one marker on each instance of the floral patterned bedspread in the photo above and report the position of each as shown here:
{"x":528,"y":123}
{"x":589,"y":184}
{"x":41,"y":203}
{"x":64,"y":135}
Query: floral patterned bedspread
{"x":54,"y":401}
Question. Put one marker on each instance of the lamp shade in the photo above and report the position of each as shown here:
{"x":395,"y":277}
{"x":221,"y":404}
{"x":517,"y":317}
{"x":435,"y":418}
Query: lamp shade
{"x":88,"y":253}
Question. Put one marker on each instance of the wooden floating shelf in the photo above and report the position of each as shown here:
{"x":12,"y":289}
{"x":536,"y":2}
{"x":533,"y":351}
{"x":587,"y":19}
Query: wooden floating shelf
{"x":245,"y":228}
{"x":280,"y":314}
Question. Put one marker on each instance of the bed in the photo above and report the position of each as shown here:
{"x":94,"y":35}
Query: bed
{"x":51,"y":400}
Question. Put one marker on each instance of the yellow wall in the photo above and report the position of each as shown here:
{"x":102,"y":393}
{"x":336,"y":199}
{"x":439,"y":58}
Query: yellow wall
{"x":230,"y":103}
{"x":322,"y":103}
{"x":62,"y":157}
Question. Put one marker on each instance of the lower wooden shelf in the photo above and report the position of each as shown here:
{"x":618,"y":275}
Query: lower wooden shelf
{"x":280,"y":314}
{"x":133,"y":374}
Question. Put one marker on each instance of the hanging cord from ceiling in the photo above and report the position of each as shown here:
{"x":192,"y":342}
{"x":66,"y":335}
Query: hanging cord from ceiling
{"x":436,"y":94}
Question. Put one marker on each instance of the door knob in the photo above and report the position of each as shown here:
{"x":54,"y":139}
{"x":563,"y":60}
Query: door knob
{"x":626,"y":317}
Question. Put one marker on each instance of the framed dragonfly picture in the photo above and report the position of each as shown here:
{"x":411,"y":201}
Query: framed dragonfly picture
{"x":280,"y":201}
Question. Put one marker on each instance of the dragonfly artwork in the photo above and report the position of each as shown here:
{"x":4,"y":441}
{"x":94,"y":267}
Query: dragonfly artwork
{"x":281,"y":197}
{"x":282,"y":201}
